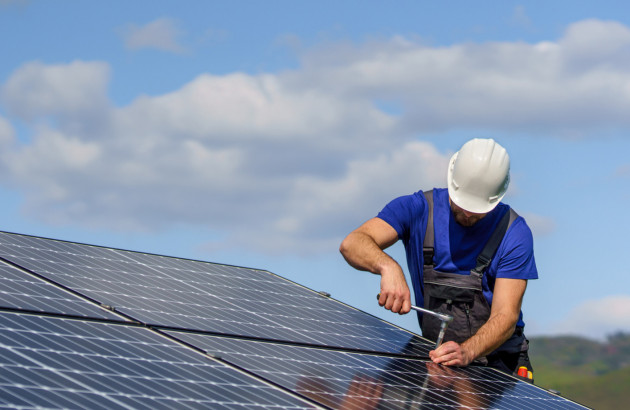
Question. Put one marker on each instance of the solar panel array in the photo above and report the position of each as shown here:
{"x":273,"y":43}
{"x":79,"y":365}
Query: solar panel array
{"x":84,"y":326}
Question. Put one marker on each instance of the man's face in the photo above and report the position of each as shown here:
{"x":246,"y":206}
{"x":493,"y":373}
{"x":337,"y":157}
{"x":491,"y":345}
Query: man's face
{"x":464,"y":217}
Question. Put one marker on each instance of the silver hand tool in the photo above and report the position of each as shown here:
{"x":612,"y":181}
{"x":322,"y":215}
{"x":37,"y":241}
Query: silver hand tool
{"x":444,"y":318}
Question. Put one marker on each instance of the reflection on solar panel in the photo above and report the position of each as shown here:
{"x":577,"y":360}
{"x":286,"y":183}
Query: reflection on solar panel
{"x":58,"y":363}
{"x":346,"y":379}
{"x":26,"y":292}
{"x":271,"y":343}
{"x":203,"y":296}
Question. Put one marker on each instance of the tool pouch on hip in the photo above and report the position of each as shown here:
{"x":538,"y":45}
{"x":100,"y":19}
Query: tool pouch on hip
{"x":460,"y":296}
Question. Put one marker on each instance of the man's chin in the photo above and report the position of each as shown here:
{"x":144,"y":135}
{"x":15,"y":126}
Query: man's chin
{"x":466,"y":222}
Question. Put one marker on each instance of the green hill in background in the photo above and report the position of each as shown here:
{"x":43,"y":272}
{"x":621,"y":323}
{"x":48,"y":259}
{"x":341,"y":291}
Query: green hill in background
{"x":592,"y":373}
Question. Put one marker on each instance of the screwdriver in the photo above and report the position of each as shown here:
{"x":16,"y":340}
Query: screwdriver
{"x":445,"y":320}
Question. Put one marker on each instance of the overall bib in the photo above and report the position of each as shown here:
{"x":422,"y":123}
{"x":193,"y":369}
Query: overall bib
{"x":461,"y":296}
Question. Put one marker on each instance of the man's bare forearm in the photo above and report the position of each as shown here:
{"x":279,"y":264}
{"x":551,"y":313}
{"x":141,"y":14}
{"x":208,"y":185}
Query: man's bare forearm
{"x":363,"y":253}
{"x":363,"y":250}
{"x":506,"y":307}
{"x":491,"y":335}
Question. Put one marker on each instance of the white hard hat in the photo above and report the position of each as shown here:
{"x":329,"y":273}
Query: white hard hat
{"x":479,"y":175}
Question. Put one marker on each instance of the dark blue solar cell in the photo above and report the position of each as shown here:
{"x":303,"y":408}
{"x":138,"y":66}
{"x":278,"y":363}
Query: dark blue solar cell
{"x":21,"y":290}
{"x":358,"y":380}
{"x":204,"y":296}
{"x":315,"y":348}
{"x":80,"y":364}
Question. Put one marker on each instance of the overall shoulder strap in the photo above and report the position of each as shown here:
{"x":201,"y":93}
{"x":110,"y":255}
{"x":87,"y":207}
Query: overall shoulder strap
{"x":428,"y":243}
{"x":485,"y":257}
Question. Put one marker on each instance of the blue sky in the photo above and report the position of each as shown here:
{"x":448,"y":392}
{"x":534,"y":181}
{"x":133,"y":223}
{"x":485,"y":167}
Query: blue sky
{"x":260,"y":133}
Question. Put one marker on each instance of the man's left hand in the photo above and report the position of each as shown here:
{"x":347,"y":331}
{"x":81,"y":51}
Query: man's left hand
{"x":451,"y":354}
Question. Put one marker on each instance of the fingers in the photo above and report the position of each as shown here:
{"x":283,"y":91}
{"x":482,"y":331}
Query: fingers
{"x":395,"y":295}
{"x":363,"y":393}
{"x":406,"y":306}
{"x":435,"y":369}
{"x":396,"y":302}
{"x":448,"y":354}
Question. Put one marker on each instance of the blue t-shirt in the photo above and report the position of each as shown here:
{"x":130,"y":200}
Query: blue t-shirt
{"x":456,"y":246}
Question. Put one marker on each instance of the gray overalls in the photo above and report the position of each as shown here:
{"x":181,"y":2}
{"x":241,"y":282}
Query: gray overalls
{"x":461,"y":296}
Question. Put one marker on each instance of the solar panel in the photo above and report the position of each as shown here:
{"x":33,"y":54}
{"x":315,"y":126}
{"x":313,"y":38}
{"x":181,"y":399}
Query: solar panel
{"x":21,"y":291}
{"x":362,"y":380}
{"x":207,"y":297}
{"x":62,"y":363}
{"x":269,"y":342}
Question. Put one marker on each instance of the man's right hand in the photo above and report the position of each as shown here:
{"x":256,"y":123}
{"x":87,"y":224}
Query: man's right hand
{"x":363,"y":249}
{"x":395,"y":295}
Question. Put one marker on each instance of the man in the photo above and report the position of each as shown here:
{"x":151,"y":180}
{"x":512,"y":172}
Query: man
{"x":477,"y":258}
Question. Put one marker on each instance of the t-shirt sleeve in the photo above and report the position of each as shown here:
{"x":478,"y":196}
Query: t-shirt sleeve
{"x":400,"y":213}
{"x":516,"y":254}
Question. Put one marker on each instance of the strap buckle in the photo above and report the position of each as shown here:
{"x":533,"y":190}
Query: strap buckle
{"x":482,"y":263}
{"x":427,"y":254}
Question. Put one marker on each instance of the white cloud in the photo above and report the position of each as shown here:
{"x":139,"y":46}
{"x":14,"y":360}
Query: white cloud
{"x":292,"y":161}
{"x":531,"y":87}
{"x":221,"y":150}
{"x":320,"y":211}
{"x":71,"y":92}
{"x":239,"y":107}
{"x":597,"y":42}
{"x":596,"y":318}
{"x":161,"y":34}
